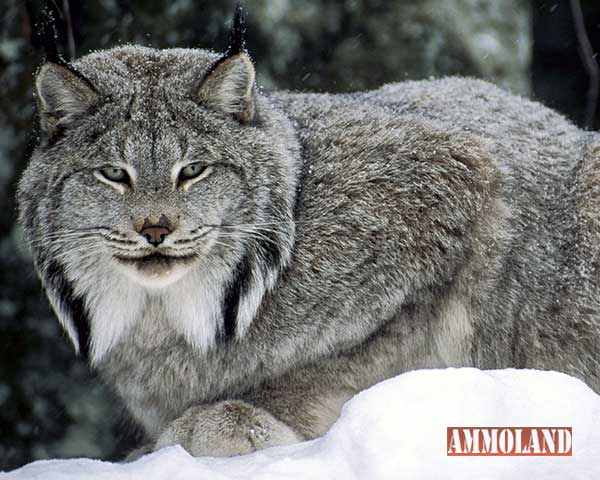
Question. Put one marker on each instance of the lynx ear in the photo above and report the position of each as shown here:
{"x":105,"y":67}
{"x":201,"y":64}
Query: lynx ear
{"x":229,"y":84}
{"x":63,"y":94}
{"x":229,"y":87}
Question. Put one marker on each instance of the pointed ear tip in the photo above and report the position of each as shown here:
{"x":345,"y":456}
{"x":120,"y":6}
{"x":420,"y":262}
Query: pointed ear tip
{"x":41,"y":74}
{"x":248,"y":64}
{"x":43,"y":68}
{"x":48,"y":67}
{"x":245,"y":57}
{"x":242,"y":57}
{"x":47,"y":73}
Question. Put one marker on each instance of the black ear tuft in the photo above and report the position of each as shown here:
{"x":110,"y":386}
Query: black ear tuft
{"x":237,"y":36}
{"x":47,"y":35}
{"x":46,"y":32}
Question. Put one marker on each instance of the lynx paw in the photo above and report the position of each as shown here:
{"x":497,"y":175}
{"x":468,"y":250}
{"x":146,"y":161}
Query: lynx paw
{"x":226,"y":429}
{"x":138,"y":453}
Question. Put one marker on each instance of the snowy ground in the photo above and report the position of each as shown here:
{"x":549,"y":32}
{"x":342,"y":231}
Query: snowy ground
{"x":396,"y":430}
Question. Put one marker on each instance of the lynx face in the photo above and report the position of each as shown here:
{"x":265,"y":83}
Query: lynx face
{"x":165,"y":197}
{"x":159,"y":172}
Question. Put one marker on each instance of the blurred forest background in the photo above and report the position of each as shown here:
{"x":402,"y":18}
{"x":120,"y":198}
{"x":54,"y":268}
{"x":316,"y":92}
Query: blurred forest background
{"x":51,"y":404}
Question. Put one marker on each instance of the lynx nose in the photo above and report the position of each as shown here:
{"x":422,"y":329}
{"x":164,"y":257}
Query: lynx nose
{"x":155,"y":233}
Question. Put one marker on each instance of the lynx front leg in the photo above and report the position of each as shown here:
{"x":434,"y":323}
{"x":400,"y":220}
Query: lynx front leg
{"x":226,"y":429}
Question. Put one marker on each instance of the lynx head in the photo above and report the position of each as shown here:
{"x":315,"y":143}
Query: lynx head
{"x":163,"y":180}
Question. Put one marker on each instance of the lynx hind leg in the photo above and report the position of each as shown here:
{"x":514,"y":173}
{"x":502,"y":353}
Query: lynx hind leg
{"x":226,"y":429}
{"x":585,"y":251}
{"x":587,"y":196}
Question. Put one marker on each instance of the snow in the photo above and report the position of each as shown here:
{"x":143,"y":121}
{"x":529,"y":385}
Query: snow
{"x":395,"y":430}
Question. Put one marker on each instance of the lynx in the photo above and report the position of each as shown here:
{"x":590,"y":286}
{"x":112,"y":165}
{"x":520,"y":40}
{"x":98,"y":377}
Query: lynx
{"x":237,"y":264}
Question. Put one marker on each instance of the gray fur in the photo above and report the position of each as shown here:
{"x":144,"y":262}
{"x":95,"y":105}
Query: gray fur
{"x":425,"y":224}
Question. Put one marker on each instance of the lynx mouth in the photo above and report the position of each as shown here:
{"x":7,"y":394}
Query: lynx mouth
{"x":156,"y":260}
{"x":156,"y":270}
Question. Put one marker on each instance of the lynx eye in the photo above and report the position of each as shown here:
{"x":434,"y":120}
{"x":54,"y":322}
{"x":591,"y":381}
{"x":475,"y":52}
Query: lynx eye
{"x":115,"y":174}
{"x":192,"y":170}
{"x":192,"y":173}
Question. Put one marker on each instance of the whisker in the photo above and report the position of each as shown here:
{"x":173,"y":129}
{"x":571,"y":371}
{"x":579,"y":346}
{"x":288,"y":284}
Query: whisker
{"x":216,"y":242}
{"x":249,"y":235}
{"x":192,"y":239}
{"x":62,"y":236}
{"x":82,"y":254}
{"x":59,"y":241}
{"x":285,"y":222}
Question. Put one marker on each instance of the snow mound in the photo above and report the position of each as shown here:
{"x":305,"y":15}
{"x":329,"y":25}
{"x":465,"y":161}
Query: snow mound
{"x":396,"y":429}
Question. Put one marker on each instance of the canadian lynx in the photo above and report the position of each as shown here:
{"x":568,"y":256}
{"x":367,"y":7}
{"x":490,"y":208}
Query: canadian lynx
{"x":238,"y":264}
